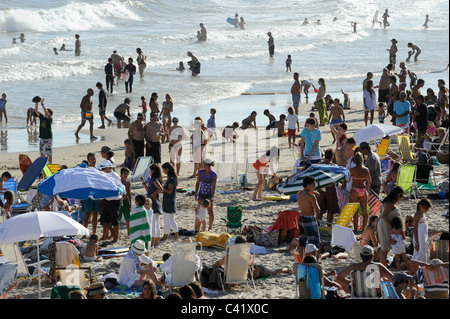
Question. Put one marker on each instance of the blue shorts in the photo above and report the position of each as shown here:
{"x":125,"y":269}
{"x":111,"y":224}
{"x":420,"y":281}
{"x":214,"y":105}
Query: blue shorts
{"x":308,"y":231}
{"x":90,"y":205}
{"x":295,"y":100}
{"x":338,"y":121}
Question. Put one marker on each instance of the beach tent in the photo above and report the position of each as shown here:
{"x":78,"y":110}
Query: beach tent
{"x":34,"y":225}
{"x":80,"y":183}
{"x":374,"y":132}
{"x":325,"y":174}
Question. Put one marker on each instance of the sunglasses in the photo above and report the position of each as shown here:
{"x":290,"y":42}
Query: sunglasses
{"x":140,"y":118}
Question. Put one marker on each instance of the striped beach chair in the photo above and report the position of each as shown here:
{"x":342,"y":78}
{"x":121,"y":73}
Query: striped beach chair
{"x":374,"y":206}
{"x":440,"y":249}
{"x":388,"y":290}
{"x":364,"y":284}
{"x":140,"y":168}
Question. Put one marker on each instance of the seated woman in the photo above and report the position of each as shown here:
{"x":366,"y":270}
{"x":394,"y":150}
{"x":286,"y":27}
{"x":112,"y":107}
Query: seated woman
{"x":360,"y":176}
{"x":391,"y":178}
{"x":432,"y":146}
{"x":369,"y":235}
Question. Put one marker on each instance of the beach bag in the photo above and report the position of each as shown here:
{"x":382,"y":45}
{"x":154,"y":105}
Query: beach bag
{"x":266,"y":238}
{"x":249,"y":233}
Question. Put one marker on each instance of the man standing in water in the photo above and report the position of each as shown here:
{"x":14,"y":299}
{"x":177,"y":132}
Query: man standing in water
{"x":195,"y":64}
{"x":271,"y":44}
{"x":87,"y":114}
{"x":77,"y":45}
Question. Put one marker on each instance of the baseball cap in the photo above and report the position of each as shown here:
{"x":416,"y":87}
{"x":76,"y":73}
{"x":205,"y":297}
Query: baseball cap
{"x":399,"y":276}
{"x":105,"y":164}
{"x":310,"y":248}
{"x":367,"y":250}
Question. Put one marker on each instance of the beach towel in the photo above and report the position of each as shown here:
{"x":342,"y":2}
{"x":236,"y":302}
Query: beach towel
{"x":343,"y":236}
{"x":287,"y":220}
{"x":140,"y":221}
{"x":214,"y":240}
{"x":66,"y":254}
{"x":311,"y":275}
{"x":322,"y":108}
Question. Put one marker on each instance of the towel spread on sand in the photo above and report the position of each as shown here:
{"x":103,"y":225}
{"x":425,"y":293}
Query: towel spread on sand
{"x":210,"y":239}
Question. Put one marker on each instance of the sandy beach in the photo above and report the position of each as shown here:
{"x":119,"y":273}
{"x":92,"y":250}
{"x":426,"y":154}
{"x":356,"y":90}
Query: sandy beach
{"x":262,"y":214}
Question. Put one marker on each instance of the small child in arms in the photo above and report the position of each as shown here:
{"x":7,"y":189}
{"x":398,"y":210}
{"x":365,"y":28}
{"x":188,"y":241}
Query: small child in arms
{"x":200,"y":214}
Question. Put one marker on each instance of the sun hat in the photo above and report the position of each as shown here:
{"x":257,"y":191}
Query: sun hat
{"x":310,"y":248}
{"x":399,"y":276}
{"x":97,"y":288}
{"x":105,"y":164}
{"x":367,"y":250}
{"x":208,"y":161}
{"x":105,"y":149}
{"x":139,"y":247}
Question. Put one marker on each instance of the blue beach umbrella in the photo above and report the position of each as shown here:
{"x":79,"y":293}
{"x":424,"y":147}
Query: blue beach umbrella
{"x":81,"y":183}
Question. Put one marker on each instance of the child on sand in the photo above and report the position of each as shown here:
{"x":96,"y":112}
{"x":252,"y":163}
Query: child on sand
{"x":211,"y":123}
{"x":9,"y":201}
{"x":397,"y":236}
{"x":288,"y":63}
{"x":143,"y":105}
{"x":92,"y":249}
{"x":200,"y":214}
{"x":312,"y":115}
{"x":336,"y":117}
{"x":3,"y":108}
{"x":381,"y":112}
{"x":129,"y":154}
{"x":293,"y":123}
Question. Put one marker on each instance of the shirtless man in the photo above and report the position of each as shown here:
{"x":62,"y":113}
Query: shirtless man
{"x":309,"y":208}
{"x":415,"y":50}
{"x":195,"y":64}
{"x":202,"y":32}
{"x":427,"y":19}
{"x":367,"y":264}
{"x":153,"y":132}
{"x":416,"y":89}
{"x":393,"y":53}
{"x":118,"y":62}
{"x":87,"y":114}
{"x":136,"y":134}
{"x":336,"y":117}
{"x":296,"y":89}
{"x":345,"y":153}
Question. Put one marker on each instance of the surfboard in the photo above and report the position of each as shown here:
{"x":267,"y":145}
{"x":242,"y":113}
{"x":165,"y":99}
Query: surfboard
{"x":281,"y":197}
{"x":113,"y":250}
{"x":32,"y":173}
{"x":24,"y":162}
{"x":230,"y":20}
{"x":127,"y":76}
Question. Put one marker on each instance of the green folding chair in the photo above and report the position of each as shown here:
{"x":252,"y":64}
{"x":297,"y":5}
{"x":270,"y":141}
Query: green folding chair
{"x":406,"y":178}
{"x":234,"y":220}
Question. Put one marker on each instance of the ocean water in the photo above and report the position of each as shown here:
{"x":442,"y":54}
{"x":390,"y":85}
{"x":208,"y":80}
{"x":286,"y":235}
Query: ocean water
{"x":233,"y":61}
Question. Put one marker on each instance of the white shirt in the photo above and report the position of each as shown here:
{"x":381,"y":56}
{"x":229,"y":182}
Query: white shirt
{"x":292,"y":121}
{"x":128,"y":272}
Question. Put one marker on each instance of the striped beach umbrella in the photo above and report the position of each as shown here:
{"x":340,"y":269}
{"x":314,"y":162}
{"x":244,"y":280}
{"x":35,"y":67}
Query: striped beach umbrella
{"x":325,"y":174}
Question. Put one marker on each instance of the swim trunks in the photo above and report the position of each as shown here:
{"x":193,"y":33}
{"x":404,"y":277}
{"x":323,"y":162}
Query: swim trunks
{"x":308,"y":231}
{"x":45,"y":147}
{"x":87,"y":116}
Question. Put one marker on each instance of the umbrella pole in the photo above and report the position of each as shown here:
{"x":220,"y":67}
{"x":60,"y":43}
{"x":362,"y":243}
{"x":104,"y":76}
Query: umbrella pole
{"x":39,"y":269}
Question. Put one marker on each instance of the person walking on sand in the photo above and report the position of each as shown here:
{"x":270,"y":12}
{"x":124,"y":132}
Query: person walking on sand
{"x":77,"y":45}
{"x":87,"y":114}
{"x":271,"y":44}
{"x":102,"y":102}
{"x":205,"y":188}
{"x":320,"y":102}
{"x":296,"y":89}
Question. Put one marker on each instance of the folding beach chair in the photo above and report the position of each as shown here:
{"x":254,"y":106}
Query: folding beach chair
{"x":404,"y":146}
{"x":406,"y":178}
{"x":347,"y":213}
{"x":18,"y":207}
{"x":308,"y":281}
{"x":185,"y":265}
{"x":440,"y":249}
{"x":345,"y":237}
{"x":237,"y":261}
{"x":234,"y":220}
{"x":388,"y":290}
{"x":373,"y":205}
{"x":12,"y":253}
{"x":364,"y":284}
{"x":250,"y":174}
{"x":227,"y":172}
{"x":50,"y":169}
{"x":382,"y":148}
{"x":140,"y":168}
{"x":435,"y":282}
{"x":74,"y":276}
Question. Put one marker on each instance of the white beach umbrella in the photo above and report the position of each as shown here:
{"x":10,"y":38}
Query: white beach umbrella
{"x":374,"y":132}
{"x":37,"y":224}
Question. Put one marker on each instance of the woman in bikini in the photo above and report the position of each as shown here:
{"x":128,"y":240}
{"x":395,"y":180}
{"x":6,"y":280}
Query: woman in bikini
{"x":176,"y":137}
{"x":166,"y":110}
{"x":402,"y":76}
{"x":369,"y":235}
{"x":361,"y":181}
{"x":265,"y":164}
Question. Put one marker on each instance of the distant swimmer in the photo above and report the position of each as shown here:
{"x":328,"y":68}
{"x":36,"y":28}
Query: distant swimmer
{"x":415,"y":50}
{"x":14,"y":41}
{"x":305,"y":22}
{"x":63,"y":47}
{"x":375,"y":19}
{"x":354,"y":27}
{"x":385,"y":18}
{"x":271,"y":44}
{"x":393,"y":53}
{"x":236,"y":20}
{"x":22,"y":38}
{"x":335,"y":19}
{"x":427,"y":19}
{"x":242,"y":24}
{"x":55,"y":50}
{"x":318,"y":22}
{"x":288,"y":63}
{"x":195,"y":64}
{"x":77,"y":45}
{"x":201,"y":35}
